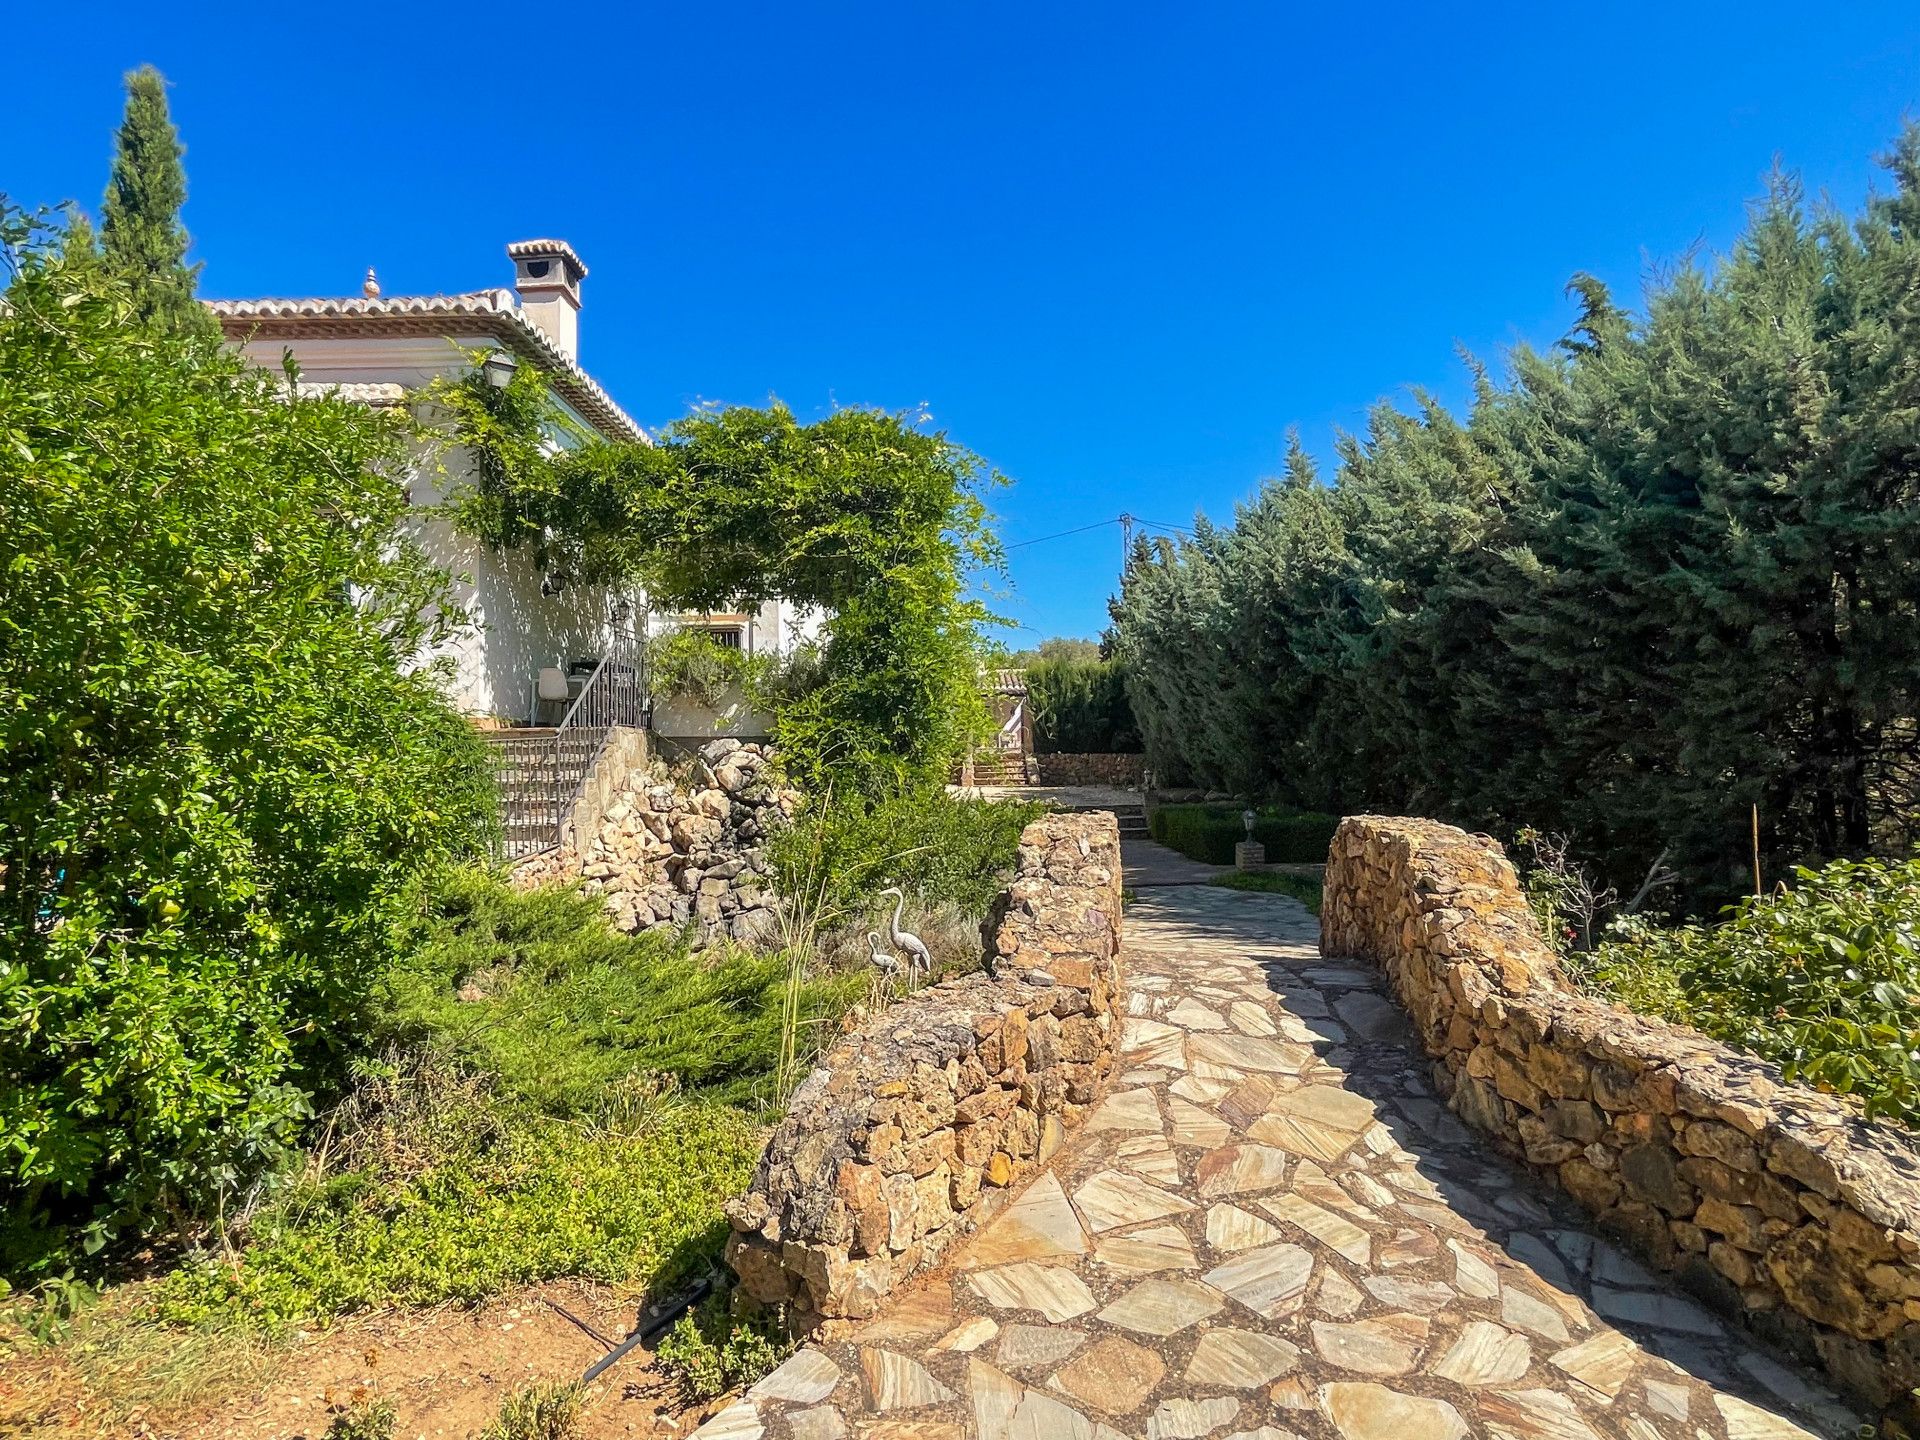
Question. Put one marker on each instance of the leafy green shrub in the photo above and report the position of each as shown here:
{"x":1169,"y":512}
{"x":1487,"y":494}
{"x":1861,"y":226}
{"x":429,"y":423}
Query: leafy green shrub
{"x":1081,"y":707}
{"x":432,"y":1187}
{"x":365,"y":1420}
{"x":941,"y":848}
{"x":710,"y":1351}
{"x":1823,"y":978}
{"x":691,"y":662}
{"x":1208,"y":833}
{"x":217,"y":771}
{"x":544,"y":1411}
{"x":1261,"y":882}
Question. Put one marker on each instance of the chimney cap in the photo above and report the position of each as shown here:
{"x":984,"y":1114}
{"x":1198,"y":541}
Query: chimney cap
{"x":524,"y":250}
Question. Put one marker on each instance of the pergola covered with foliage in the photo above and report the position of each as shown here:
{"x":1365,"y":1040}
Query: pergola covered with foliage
{"x":864,"y":514}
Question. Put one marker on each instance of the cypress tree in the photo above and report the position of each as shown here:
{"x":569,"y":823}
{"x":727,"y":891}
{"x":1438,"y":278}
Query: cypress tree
{"x":142,"y":240}
{"x":1665,"y":573}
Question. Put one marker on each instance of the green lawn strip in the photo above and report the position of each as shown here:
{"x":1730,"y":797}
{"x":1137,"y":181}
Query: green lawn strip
{"x":1303,"y":888}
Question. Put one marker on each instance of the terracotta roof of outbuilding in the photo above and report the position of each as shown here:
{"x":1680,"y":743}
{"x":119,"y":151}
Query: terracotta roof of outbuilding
{"x":494,"y":314}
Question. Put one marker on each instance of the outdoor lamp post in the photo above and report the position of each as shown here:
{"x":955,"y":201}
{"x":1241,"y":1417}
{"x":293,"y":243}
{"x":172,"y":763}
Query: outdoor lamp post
{"x":499,"y":367}
{"x":1249,"y":853}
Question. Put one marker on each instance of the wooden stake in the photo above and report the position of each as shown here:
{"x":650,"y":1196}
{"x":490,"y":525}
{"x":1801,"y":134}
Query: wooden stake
{"x":1756,"y":850}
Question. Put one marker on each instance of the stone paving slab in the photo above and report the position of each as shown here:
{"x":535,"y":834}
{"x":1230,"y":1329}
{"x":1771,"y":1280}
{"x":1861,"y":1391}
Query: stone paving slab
{"x":1273,"y":1230}
{"x":1147,"y":863}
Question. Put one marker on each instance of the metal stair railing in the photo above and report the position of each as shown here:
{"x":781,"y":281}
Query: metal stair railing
{"x":541,"y":776}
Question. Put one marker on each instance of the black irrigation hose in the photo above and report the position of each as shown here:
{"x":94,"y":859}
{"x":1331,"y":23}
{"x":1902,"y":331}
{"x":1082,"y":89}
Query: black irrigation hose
{"x":646,"y":1332}
{"x":593,"y":1332}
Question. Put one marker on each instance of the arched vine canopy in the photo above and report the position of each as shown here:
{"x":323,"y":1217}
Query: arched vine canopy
{"x":864,"y":514}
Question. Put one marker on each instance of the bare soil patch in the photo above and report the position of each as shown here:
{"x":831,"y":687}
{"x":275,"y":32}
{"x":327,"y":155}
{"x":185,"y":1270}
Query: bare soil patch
{"x":445,"y":1370}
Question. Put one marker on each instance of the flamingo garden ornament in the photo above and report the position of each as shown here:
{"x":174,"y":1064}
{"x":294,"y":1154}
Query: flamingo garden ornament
{"x":919,"y":960}
{"x":880,"y":960}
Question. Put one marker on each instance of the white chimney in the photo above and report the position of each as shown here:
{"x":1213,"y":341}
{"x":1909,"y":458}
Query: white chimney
{"x":547,"y":276}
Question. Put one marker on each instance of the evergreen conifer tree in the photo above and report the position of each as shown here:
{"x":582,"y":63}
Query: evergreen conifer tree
{"x":1667,"y":572}
{"x":142,"y":240}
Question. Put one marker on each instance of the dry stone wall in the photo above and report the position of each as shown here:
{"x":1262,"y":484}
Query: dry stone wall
{"x":1122,"y":772}
{"x":911,"y":1127}
{"x":659,"y":852}
{"x":1767,"y":1198}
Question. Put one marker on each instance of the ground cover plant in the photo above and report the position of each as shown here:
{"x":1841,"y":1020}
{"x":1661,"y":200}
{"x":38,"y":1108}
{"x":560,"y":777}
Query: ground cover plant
{"x":1208,"y":833}
{"x":709,"y":1351}
{"x":1666,"y":573}
{"x":559,"y":1099}
{"x":1822,"y":976}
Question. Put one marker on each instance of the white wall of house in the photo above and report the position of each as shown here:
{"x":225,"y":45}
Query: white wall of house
{"x":515,"y":631}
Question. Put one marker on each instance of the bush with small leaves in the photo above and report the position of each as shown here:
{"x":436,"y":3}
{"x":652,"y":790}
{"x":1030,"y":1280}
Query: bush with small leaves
{"x":1823,"y":977}
{"x":363,"y":1420}
{"x":545,"y":1411}
{"x":220,"y":764}
{"x":710,"y":1351}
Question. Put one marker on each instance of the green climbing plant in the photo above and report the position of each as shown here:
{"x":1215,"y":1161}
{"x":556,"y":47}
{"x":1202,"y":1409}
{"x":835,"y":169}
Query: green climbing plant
{"x":866,"y":516}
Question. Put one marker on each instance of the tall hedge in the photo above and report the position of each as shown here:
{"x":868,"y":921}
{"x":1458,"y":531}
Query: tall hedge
{"x":1081,"y":707}
{"x":218,"y":766}
{"x":1661,"y":575}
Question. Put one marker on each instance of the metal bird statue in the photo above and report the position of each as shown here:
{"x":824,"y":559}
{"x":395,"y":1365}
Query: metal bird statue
{"x":919,"y":959}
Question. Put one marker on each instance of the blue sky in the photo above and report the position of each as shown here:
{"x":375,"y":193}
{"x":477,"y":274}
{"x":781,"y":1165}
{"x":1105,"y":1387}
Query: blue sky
{"x":1117,"y":249}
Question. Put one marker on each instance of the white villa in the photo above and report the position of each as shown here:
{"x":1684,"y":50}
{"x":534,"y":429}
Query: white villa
{"x":376,"y":349}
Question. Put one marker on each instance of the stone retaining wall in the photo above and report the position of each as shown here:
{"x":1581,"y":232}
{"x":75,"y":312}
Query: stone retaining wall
{"x":1122,"y":772}
{"x":1768,"y":1199}
{"x":661,"y":853}
{"x":911,"y":1129}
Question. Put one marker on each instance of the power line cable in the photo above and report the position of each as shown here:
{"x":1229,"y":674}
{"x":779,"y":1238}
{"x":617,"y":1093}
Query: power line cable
{"x":1061,"y":535}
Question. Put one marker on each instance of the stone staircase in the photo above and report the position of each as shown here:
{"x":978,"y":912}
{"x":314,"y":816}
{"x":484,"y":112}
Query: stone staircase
{"x":1002,"y":770}
{"x":1133,"y":821}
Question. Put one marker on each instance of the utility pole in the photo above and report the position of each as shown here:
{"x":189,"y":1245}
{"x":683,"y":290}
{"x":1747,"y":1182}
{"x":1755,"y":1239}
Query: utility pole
{"x":1126,"y":540}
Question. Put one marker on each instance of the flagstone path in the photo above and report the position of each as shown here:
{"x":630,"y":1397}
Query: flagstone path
{"x":1272,"y":1229}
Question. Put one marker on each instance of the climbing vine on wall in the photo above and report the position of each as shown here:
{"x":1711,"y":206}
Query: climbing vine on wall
{"x":864,"y":515}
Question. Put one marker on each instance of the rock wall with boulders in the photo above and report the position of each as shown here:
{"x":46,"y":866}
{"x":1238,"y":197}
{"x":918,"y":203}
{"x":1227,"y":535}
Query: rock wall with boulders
{"x":660,"y":852}
{"x":1122,"y":772}
{"x":910,"y":1130}
{"x":1768,"y":1199}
